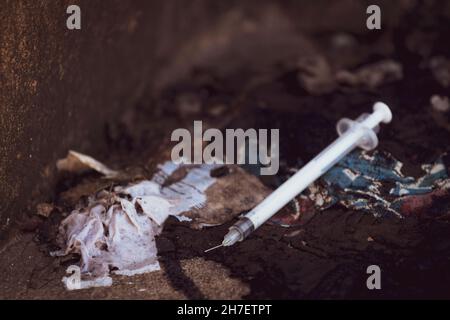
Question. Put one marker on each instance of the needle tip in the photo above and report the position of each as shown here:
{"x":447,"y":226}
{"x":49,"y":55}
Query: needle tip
{"x":210,"y":249}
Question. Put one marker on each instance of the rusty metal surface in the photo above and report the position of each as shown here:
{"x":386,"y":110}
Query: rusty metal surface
{"x":58,"y":87}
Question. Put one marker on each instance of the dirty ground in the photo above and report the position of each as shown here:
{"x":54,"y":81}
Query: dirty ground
{"x":326,"y":257}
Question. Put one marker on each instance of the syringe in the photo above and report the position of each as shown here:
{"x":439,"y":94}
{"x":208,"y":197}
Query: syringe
{"x":359,"y":133}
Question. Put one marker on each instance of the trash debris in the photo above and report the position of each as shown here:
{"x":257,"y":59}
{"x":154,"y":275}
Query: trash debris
{"x":359,"y":182}
{"x":316,"y":75}
{"x":109,"y":233}
{"x":44,"y":209}
{"x":375,"y":184}
{"x":205,"y":198}
{"x":76,"y":162}
{"x":302,"y":208}
{"x":439,"y":103}
{"x":440,"y":67}
{"x":115,"y":231}
{"x":371,"y":76}
{"x":294,"y":233}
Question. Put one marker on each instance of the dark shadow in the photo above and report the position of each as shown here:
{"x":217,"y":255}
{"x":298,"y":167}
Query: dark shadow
{"x":178,"y":279}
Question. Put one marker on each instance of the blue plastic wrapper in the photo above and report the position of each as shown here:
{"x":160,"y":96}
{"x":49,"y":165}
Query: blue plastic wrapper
{"x":374,"y":183}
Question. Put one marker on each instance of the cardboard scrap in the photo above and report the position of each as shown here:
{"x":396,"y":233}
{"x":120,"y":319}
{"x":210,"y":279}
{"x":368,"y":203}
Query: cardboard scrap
{"x":77,"y":162}
{"x":44,"y":209}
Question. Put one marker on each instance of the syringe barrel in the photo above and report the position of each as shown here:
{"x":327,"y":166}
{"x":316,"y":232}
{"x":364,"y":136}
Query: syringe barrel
{"x":356,"y":134}
{"x":307,"y":175}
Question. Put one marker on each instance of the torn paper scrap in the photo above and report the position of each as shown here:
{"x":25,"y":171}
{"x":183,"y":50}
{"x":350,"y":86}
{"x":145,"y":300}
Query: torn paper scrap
{"x":196,"y":196}
{"x":110,"y":238}
{"x":77,"y":162}
{"x":115,"y":231}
